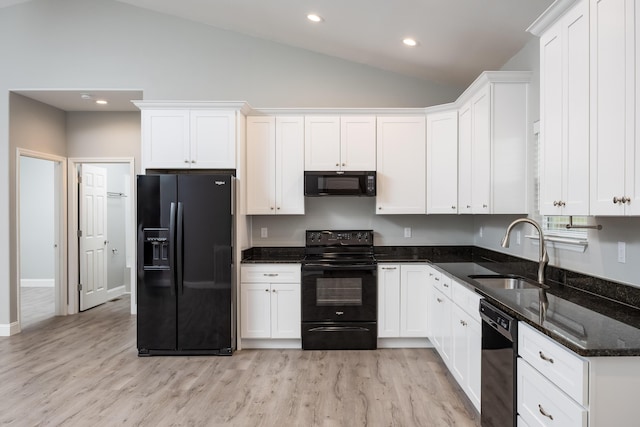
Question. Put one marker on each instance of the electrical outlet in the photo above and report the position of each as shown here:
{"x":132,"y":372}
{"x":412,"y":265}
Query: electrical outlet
{"x":622,"y":252}
{"x":480,"y":232}
{"x":518,"y":235}
{"x":407,"y":232}
{"x":264,"y":232}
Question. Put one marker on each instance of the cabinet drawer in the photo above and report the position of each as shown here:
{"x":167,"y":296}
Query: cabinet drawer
{"x":442,"y":282}
{"x":540,"y":403}
{"x":467,"y":299}
{"x":270,"y":273}
{"x":564,"y":368}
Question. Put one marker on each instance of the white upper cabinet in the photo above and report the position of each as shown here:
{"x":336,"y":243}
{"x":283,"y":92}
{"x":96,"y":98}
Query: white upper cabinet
{"x":615,"y":152}
{"x":564,"y":114}
{"x":340,"y":143}
{"x":182,"y":135}
{"x":275,"y":160}
{"x":401,"y":164}
{"x":493,"y":134}
{"x":442,"y":162}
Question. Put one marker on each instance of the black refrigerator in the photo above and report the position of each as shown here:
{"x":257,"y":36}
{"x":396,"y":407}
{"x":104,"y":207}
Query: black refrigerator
{"x":185,"y":281}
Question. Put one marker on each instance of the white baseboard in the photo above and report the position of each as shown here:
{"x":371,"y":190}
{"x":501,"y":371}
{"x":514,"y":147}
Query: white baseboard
{"x":270,"y":343}
{"x":37,"y":283}
{"x":404,"y":343}
{"x":10,"y":329}
{"x":116,"y":292}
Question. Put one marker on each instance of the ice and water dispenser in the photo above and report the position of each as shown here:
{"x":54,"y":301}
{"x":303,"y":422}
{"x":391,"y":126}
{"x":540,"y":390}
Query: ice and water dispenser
{"x":156,"y":248}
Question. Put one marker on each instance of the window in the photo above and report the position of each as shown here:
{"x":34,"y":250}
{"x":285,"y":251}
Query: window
{"x":557,"y":226}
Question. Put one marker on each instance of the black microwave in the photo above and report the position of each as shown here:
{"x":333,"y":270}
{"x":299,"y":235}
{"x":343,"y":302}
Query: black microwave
{"x":340,"y":183}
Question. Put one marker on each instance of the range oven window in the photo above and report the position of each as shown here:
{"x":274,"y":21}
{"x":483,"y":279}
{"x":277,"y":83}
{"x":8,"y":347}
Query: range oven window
{"x":339,"y":291}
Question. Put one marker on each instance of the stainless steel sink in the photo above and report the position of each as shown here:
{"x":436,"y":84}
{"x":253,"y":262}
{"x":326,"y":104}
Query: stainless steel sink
{"x":505,"y":282}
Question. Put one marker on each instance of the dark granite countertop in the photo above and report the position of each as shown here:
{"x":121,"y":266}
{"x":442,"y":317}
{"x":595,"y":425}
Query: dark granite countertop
{"x":587,"y":324}
{"x":272,"y":255}
{"x":593,"y":317}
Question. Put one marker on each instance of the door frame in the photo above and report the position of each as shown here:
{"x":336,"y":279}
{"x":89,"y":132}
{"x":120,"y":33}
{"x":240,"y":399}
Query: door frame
{"x":74,"y":273}
{"x":60,"y":229}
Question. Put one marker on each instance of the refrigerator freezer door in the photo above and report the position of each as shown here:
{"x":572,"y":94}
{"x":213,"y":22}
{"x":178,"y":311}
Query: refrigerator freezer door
{"x":204,"y":255}
{"x":156,"y":294}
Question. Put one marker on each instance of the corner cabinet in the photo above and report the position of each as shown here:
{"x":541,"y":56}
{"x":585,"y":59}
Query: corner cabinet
{"x":403,"y":294}
{"x":340,"y":143}
{"x":270,"y":305}
{"x":275,"y":165}
{"x":401,"y":152}
{"x":185,"y":135}
{"x":564,"y":114}
{"x":615,"y":103}
{"x":493,"y":133}
{"x":442,"y":162}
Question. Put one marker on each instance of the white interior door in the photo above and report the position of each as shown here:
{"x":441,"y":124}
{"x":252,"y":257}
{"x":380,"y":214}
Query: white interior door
{"x":93,"y":236}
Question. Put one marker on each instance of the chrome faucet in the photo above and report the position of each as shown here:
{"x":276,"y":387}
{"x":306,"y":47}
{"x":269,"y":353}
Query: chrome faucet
{"x":544,"y":257}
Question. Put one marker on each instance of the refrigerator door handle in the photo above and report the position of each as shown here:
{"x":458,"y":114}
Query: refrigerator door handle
{"x":172,"y":246}
{"x":180,"y":245}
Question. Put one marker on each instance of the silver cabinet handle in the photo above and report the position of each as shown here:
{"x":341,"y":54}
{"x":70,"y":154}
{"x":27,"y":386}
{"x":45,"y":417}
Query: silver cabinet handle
{"x":484,"y":206}
{"x":463,"y":323}
{"x":437,"y":279}
{"x":266,"y":290}
{"x":186,"y":161}
{"x":388,"y":268}
{"x":445,"y":285}
{"x":344,"y":164}
{"x":337,"y":164}
{"x":622,"y":200}
{"x":270,"y":274}
{"x":545,"y":358}
{"x":273,"y":290}
{"x":453,"y":207}
{"x":438,"y":299}
{"x":543,"y":412}
{"x":468,"y":206}
{"x":193,"y":161}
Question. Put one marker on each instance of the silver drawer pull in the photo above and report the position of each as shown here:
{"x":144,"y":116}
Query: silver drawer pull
{"x":270,"y":274}
{"x":545,"y":358}
{"x":543,"y":412}
{"x":388,"y":268}
{"x":439,"y":300}
{"x":445,"y":285}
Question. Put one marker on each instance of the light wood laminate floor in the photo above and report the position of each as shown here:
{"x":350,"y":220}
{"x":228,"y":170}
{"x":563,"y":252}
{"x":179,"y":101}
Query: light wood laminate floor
{"x":84,"y":370}
{"x":36,"y":304}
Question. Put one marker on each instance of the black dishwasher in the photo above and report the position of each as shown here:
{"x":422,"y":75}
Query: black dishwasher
{"x":499,"y":353}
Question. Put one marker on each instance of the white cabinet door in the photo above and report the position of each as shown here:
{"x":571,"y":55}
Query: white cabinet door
{"x":564,"y":107}
{"x":165,"y":139}
{"x":459,"y":353}
{"x":213,"y":139}
{"x":255,"y":309}
{"x":358,"y":143}
{"x":285,"y":310}
{"x":388,"y":300}
{"x":465,"y":163}
{"x":612,"y":106}
{"x":289,"y":165}
{"x":481,"y":151}
{"x":322,"y":143}
{"x":401,"y":161}
{"x":442,"y":163}
{"x":442,"y":333}
{"x":261,"y":165}
{"x":474,"y":352}
{"x":414,"y":293}
{"x":275,"y":165}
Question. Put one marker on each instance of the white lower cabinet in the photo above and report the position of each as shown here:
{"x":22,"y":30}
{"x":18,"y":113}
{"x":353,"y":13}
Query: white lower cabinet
{"x":270,"y":301}
{"x":557,"y":387}
{"x":456,"y":332}
{"x":403,"y":294}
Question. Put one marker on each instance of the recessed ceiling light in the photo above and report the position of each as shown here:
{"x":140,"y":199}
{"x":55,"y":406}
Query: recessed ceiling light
{"x":102,"y":101}
{"x":410,"y":42}
{"x":314,"y":18}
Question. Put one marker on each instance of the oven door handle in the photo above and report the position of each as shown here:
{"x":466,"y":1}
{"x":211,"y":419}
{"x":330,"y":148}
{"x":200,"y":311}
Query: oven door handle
{"x":338,"y":329}
{"x":328,"y":266}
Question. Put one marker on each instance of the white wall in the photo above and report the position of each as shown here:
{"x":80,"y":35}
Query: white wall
{"x":84,"y":44}
{"x":37,"y":232}
{"x":600,"y":257}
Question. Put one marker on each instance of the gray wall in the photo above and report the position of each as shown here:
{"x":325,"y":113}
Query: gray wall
{"x":37,"y":217}
{"x":84,"y":44}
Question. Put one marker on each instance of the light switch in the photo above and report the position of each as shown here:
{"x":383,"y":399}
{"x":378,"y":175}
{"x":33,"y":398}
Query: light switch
{"x":407,"y":232}
{"x":264,"y":232}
